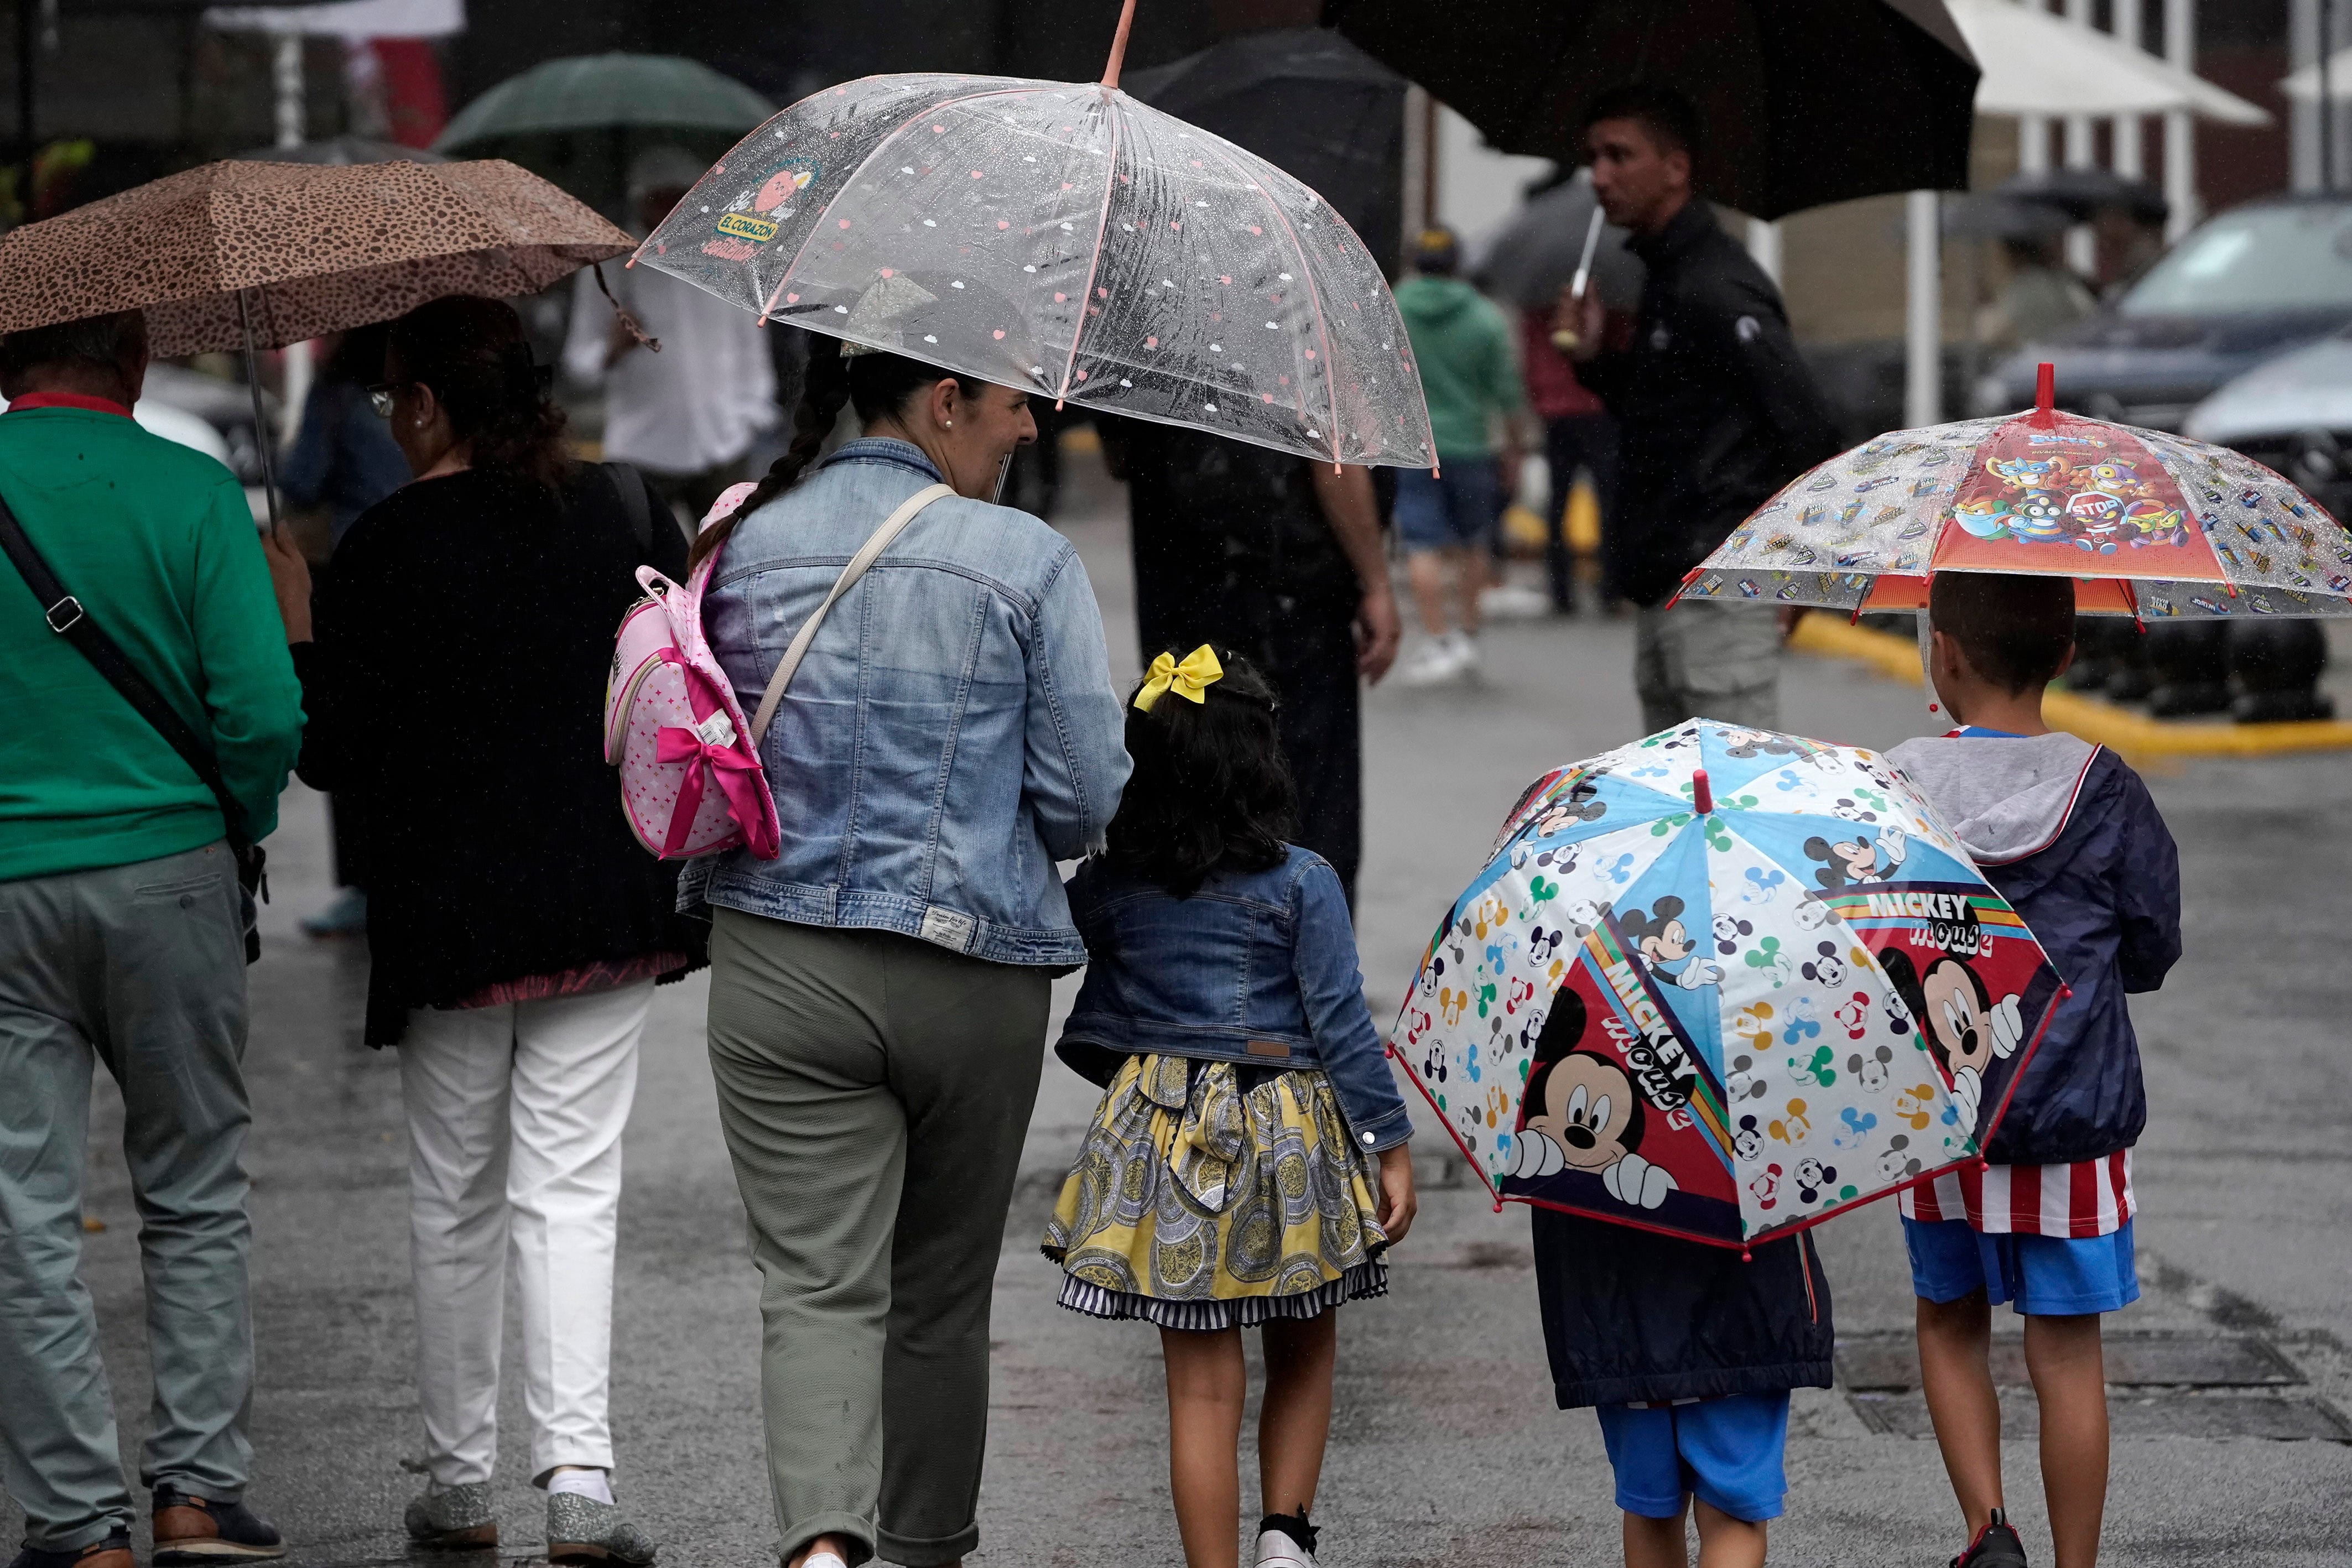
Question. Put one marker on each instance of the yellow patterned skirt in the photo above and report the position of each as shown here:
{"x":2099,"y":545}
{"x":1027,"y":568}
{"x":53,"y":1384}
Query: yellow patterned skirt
{"x":1198,"y":1204}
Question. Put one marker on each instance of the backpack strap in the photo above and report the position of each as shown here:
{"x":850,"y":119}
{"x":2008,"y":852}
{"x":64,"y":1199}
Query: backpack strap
{"x":892,"y":527}
{"x":629,"y":489}
{"x":68,"y":618}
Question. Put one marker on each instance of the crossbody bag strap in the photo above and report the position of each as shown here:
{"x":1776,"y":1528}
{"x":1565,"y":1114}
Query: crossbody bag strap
{"x":68,"y":620}
{"x":892,"y":525}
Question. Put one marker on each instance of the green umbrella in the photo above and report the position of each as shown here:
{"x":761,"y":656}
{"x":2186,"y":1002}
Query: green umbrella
{"x":601,"y":92}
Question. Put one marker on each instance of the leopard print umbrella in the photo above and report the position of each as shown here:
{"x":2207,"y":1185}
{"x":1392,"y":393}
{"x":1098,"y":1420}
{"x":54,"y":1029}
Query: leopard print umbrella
{"x":310,"y":248}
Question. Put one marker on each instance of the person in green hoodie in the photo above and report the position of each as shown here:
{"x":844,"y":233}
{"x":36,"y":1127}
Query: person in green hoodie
{"x":1445,"y":520}
{"x":123,"y":941}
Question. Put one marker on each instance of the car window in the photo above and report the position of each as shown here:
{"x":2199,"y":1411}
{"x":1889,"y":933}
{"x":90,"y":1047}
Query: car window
{"x":2259,"y":259}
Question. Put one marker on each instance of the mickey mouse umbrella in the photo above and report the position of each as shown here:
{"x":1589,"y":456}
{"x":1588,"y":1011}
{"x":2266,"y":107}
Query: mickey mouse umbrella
{"x":1721,"y":983}
{"x":1065,"y":238}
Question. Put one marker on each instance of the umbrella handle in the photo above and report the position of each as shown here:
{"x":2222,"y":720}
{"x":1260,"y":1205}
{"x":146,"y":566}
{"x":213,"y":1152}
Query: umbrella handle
{"x":1927,"y":667}
{"x":1119,"y":46}
{"x":261,"y":440}
{"x":1591,"y":245}
{"x":1567,"y":339}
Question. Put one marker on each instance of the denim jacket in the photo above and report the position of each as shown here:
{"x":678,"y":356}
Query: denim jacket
{"x":952,"y":731}
{"x":1257,"y":968}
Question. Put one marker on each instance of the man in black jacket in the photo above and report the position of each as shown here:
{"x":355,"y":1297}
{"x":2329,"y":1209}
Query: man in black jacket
{"x":1716,"y":409}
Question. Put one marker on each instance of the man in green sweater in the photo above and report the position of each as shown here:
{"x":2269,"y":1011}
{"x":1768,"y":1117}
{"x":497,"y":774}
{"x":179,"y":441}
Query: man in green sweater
{"x":121,"y":941}
{"x":1470,"y":377}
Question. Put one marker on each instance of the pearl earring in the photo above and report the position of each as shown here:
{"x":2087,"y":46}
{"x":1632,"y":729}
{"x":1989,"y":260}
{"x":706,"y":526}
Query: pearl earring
{"x":947,"y":424}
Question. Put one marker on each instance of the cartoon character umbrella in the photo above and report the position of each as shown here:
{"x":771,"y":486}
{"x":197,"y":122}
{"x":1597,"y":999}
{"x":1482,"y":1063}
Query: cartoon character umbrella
{"x":2149,"y":524}
{"x":1069,"y":239}
{"x":1723,"y":983}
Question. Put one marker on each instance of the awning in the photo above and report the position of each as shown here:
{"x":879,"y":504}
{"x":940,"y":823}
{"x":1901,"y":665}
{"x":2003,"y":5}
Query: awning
{"x":349,"y":19}
{"x":2305,"y":83}
{"x":2035,"y":63}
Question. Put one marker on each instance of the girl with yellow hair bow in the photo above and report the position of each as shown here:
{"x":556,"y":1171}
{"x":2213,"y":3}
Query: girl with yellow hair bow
{"x":1247,"y":1165}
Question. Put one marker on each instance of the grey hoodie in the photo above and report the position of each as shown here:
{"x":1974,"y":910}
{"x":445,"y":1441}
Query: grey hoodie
{"x":2002,"y":802}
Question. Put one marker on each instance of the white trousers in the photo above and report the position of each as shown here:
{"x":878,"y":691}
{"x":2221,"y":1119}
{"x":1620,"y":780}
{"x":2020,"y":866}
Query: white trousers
{"x":514,"y":1160}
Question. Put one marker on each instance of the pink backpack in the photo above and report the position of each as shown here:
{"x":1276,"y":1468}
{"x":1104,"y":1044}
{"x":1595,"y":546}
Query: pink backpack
{"x":690,"y":777}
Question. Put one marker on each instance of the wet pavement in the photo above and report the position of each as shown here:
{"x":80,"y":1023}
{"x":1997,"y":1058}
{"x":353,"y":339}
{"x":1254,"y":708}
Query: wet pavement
{"x":1446,"y":1447}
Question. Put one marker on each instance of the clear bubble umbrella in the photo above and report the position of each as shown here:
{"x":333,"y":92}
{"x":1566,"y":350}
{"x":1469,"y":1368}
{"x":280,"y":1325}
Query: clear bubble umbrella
{"x":1067,"y":239}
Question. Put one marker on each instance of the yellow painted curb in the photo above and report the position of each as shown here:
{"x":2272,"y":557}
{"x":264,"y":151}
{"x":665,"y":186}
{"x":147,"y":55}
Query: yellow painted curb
{"x":2101,"y":722}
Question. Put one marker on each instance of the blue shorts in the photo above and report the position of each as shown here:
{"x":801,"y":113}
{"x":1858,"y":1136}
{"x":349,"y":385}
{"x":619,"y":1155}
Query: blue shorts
{"x":1453,"y":512}
{"x":1726,"y":1452}
{"x":2046,"y":1276}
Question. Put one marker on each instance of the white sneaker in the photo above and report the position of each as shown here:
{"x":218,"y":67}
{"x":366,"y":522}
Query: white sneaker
{"x":1433,"y":663}
{"x":1276,"y":1549}
{"x":1513,"y":601}
{"x":1465,"y":654}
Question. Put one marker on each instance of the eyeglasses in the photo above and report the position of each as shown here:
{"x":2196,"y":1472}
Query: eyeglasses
{"x":381,"y":394}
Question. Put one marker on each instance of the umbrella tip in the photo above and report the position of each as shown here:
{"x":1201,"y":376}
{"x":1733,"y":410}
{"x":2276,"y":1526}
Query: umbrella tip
{"x":1702,"y":795}
{"x":2045,"y":392}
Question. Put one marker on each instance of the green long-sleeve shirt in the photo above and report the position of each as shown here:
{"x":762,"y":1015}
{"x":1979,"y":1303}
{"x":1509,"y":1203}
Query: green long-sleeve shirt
{"x":157,"y":543}
{"x":1469,"y":366}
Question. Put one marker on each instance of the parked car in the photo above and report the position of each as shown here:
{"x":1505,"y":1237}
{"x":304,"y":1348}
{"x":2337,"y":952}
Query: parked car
{"x":2293,"y":414}
{"x":2248,"y":285}
{"x":225,"y":407}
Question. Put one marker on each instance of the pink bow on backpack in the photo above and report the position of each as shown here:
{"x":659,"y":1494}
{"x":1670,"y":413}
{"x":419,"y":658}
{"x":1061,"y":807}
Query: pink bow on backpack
{"x":710,"y":742}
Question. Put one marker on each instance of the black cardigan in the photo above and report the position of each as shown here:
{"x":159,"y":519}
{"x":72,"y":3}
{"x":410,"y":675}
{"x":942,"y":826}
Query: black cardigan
{"x":457,"y":687}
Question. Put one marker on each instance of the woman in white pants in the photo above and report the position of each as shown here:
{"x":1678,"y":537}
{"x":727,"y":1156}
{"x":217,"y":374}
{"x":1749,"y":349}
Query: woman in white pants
{"x":515,"y":1113}
{"x":455,"y":683}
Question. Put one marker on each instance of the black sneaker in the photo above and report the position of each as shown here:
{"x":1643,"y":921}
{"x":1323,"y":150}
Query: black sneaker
{"x":114,"y":1552}
{"x":1995,"y":1546}
{"x":192,"y":1532}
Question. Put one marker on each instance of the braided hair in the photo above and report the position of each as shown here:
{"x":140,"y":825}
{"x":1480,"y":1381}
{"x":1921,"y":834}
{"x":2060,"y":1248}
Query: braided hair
{"x":472,"y":352}
{"x":874,"y":384}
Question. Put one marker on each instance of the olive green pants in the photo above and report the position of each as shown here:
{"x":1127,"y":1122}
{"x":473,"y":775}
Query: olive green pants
{"x":874,"y":1091}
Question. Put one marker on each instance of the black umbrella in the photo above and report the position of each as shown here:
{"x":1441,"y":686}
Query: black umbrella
{"x":1987,"y":216}
{"x":2079,"y":192}
{"x":1805,"y":101}
{"x":1536,"y":256}
{"x":1308,"y":100}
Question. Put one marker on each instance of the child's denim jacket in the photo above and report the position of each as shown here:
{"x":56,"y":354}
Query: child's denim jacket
{"x":1257,"y":968}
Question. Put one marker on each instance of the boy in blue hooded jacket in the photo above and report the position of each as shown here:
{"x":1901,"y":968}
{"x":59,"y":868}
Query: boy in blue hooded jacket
{"x":2068,"y":835}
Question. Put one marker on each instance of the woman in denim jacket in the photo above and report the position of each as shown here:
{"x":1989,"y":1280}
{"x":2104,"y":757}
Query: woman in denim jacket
{"x":1247,"y":1165}
{"x":878,"y":991}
